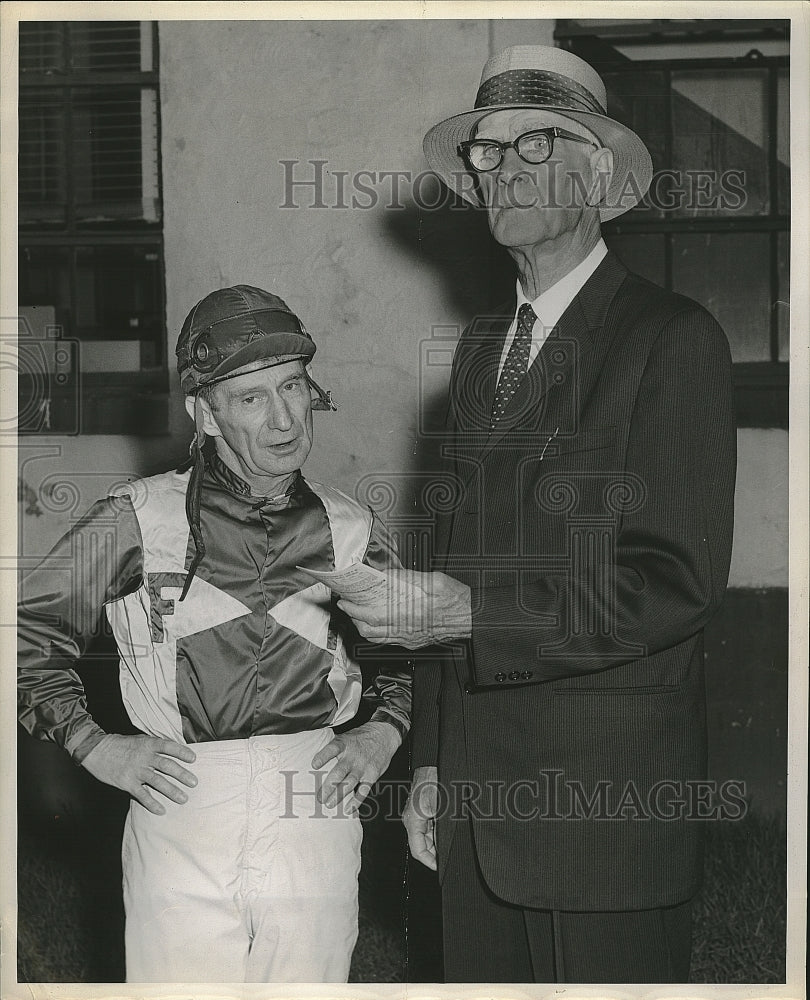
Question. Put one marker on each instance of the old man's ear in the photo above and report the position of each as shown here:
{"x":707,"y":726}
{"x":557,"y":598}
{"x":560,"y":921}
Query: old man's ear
{"x":602,"y":171}
{"x":199,"y":409}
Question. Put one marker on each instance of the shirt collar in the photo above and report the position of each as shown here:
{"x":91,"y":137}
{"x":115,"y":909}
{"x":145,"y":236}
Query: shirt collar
{"x":227,"y":478}
{"x":551,"y":304}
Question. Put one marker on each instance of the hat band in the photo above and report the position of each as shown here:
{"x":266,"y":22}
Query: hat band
{"x":534,"y":86}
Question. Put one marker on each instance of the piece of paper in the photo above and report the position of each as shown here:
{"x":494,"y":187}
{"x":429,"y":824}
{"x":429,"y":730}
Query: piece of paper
{"x":358,"y":583}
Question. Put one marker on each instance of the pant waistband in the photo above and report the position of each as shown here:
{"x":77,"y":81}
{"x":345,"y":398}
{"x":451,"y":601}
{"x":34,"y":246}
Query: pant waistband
{"x":283,"y":742}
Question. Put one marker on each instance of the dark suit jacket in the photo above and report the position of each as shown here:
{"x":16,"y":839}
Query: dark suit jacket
{"x":594,"y":528}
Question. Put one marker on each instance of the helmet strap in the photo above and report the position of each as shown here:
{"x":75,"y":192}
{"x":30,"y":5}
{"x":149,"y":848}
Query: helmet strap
{"x":193,"y":494}
{"x":323,"y":400}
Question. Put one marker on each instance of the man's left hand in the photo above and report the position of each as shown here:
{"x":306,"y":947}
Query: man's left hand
{"x":416,"y":609}
{"x":361,"y":756}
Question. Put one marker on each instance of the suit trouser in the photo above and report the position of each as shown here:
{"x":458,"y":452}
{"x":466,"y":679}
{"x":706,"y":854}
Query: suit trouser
{"x":487,"y":940}
{"x":251,"y":880}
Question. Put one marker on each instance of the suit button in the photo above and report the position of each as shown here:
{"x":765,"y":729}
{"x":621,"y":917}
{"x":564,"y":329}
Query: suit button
{"x":500,"y":678}
{"x":527,"y":675}
{"x":469,"y":688}
{"x":514,"y":675}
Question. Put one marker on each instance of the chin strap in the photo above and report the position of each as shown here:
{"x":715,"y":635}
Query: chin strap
{"x":323,"y":397}
{"x":193,"y":494}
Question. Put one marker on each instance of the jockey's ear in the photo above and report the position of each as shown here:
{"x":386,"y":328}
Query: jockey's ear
{"x":199,"y":409}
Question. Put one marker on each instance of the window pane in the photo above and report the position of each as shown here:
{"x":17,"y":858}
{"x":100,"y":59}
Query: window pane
{"x":114,"y":147}
{"x":41,"y":46}
{"x":783,"y":300}
{"x":643,"y":254}
{"x":719,"y":126}
{"x":119,"y":299}
{"x":89,"y":200}
{"x":783,"y":142}
{"x":105,"y":46}
{"x":638,"y":100}
{"x":44,"y":279}
{"x":42,"y":193}
{"x":729,"y":274}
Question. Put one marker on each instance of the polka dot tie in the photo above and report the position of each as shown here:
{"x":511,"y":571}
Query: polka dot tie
{"x":516,"y":364}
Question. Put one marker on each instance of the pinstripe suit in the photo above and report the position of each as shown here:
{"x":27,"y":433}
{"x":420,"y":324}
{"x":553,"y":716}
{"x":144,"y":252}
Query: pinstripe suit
{"x":594,"y":528}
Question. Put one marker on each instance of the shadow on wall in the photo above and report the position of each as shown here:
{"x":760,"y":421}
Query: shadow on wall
{"x":453,"y":246}
{"x":449,"y":246}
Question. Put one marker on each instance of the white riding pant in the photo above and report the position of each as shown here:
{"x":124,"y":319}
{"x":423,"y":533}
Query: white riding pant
{"x":252,"y":879}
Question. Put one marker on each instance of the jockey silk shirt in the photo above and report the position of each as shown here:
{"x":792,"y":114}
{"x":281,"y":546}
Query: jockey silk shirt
{"x":257,"y":647}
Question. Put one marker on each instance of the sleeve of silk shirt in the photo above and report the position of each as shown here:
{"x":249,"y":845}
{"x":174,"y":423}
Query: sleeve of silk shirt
{"x":391,"y":689}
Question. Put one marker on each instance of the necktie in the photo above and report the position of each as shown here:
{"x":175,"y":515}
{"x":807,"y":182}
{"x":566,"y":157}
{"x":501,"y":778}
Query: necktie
{"x":516,"y":364}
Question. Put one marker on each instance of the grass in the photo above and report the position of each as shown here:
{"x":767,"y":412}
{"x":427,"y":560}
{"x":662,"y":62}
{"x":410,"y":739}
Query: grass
{"x":49,"y":947}
{"x":70,"y":910}
{"x":70,"y":919}
{"x":740,"y":917}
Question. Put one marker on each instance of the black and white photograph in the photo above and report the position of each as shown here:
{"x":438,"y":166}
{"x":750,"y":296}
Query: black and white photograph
{"x":409,"y":565}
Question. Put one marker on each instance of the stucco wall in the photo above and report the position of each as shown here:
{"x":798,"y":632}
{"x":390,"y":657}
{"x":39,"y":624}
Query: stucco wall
{"x":760,"y":554}
{"x":359,"y":95}
{"x":372,"y":284}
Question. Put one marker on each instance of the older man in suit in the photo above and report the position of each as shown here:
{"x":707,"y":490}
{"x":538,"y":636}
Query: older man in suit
{"x":559,"y":738}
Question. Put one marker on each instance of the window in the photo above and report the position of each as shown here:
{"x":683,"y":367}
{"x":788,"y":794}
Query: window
{"x":715,"y":224}
{"x":91,"y":278}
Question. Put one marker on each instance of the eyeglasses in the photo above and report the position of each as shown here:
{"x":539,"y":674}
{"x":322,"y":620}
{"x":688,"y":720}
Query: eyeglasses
{"x":532,"y":147}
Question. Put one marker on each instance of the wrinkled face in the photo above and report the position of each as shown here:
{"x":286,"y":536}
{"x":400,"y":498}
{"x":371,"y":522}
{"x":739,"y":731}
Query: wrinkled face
{"x":531,"y":203}
{"x":265,"y":420}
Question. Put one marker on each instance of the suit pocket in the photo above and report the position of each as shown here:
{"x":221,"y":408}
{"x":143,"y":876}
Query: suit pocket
{"x":624,"y":692}
{"x":584,"y":440}
{"x":639,"y":734}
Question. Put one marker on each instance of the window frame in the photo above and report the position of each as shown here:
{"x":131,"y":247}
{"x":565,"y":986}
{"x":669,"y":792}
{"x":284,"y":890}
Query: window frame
{"x":761,"y":387}
{"x":111,"y":402}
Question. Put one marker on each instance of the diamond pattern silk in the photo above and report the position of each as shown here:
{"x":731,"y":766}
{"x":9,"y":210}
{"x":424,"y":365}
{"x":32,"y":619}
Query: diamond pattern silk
{"x":516,"y":364}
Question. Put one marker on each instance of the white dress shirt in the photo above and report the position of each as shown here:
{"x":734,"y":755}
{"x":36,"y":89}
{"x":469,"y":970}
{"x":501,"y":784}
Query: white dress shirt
{"x":549,"y":306}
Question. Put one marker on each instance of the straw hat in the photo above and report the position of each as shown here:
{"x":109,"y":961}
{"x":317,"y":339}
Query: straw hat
{"x":549,"y":79}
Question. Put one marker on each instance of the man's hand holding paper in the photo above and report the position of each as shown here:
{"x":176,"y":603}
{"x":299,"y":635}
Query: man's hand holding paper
{"x":403,"y":607}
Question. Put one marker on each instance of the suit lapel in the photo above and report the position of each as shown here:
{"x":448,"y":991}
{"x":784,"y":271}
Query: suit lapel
{"x":475,"y":373}
{"x":558,"y":364}
{"x":486,"y":361}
